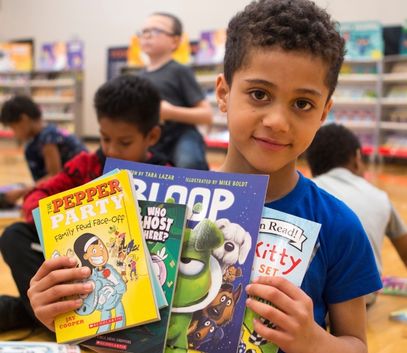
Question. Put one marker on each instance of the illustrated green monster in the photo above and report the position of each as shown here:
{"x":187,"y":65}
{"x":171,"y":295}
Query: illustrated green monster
{"x":199,"y":280}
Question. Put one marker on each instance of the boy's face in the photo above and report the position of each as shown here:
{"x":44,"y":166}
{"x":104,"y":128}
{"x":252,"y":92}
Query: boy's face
{"x":157,"y":36}
{"x":123,"y":140}
{"x":275,"y":105}
{"x":22,"y":129}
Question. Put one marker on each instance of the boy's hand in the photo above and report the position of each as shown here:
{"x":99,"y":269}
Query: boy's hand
{"x":292,"y":313}
{"x":51,"y":284}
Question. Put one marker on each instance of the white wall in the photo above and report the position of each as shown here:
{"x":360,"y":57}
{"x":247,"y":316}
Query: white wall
{"x":105,"y":23}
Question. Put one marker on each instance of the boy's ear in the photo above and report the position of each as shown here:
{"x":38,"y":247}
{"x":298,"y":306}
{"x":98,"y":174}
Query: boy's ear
{"x":327,"y":108}
{"x":153,"y":135}
{"x":176,"y":42}
{"x":222,"y":93}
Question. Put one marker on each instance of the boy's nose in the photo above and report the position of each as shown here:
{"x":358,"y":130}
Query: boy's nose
{"x":111,"y":151}
{"x":277,"y":119}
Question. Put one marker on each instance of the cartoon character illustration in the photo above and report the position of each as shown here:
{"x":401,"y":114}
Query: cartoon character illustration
{"x":132,"y":263}
{"x":231,"y":273}
{"x":109,"y":286}
{"x":159,"y":266}
{"x":221,"y":308}
{"x":199,"y":281}
{"x":202,"y":331}
{"x":117,"y":243}
{"x":236,"y":246}
{"x":121,"y":264}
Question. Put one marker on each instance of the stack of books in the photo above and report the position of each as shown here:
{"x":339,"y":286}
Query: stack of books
{"x":171,"y":251}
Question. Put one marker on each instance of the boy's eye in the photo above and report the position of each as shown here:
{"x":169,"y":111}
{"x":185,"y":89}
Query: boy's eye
{"x":259,"y":95}
{"x":303,"y":105}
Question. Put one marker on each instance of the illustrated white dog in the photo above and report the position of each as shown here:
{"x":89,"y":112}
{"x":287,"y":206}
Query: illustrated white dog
{"x":236,"y":246}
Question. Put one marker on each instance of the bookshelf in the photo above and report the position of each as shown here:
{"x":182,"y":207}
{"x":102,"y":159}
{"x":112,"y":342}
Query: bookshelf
{"x":357,"y":101}
{"x":393,"y":125}
{"x":59,"y":94}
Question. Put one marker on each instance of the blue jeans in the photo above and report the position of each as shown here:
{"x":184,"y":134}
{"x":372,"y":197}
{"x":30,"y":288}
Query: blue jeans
{"x":189,"y":151}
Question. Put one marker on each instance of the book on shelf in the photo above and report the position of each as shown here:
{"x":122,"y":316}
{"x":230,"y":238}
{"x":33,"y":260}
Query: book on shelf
{"x":163,"y":229}
{"x":363,"y":40}
{"x":99,"y":223}
{"x":37,"y":347}
{"x":394,"y":285}
{"x":75,"y":54}
{"x":218,"y":249}
{"x":285,"y":247}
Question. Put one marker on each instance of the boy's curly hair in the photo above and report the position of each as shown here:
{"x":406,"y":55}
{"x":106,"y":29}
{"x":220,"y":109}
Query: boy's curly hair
{"x":131,"y":99}
{"x":333,"y":146}
{"x":293,"y":25}
{"x":13,"y":109}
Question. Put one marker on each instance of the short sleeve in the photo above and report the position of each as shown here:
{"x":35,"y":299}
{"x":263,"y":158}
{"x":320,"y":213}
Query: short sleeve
{"x":352,"y":270}
{"x":192,"y":91}
{"x":396,"y":227}
{"x":49,"y":135}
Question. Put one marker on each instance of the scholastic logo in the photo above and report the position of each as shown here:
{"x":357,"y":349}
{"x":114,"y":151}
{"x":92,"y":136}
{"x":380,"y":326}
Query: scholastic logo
{"x":106,"y":322}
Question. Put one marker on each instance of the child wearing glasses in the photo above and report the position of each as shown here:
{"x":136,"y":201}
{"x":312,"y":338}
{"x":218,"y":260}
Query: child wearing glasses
{"x":183,"y":104}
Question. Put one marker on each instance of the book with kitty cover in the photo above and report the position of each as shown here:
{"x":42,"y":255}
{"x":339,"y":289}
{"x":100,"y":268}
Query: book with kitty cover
{"x":218,"y":249}
{"x":285,"y":247}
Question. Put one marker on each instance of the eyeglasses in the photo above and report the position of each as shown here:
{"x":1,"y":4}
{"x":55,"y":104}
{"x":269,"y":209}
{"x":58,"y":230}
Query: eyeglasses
{"x":154,"y":32}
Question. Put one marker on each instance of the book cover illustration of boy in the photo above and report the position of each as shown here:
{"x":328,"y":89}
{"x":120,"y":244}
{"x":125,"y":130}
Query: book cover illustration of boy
{"x":285,"y":247}
{"x":163,"y":229}
{"x":81,"y":221}
{"x":222,"y":227}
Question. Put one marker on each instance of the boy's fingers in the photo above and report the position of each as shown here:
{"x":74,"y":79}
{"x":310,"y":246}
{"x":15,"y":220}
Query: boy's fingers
{"x":55,"y":309}
{"x":271,"y":334}
{"x":283,"y":285}
{"x":59,"y":276}
{"x":267,"y":311}
{"x":56,"y":294}
{"x":272,"y":295}
{"x":52,"y":265}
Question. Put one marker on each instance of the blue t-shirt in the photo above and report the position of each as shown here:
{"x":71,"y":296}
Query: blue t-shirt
{"x":343,"y":267}
{"x":68,"y":146}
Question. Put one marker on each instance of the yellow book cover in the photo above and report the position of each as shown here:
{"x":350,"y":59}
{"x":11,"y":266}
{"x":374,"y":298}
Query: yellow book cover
{"x":99,"y":223}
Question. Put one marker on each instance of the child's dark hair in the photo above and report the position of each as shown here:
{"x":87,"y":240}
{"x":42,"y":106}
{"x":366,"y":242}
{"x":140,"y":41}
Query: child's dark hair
{"x":333,"y":146}
{"x":293,"y":25}
{"x":16,"y":106}
{"x":176,"y":22}
{"x":131,"y":99}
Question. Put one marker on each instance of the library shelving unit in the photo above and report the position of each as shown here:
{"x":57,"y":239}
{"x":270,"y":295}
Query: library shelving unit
{"x":357,"y":102}
{"x":58,"y":93}
{"x":393,"y":125}
{"x":216,"y":135}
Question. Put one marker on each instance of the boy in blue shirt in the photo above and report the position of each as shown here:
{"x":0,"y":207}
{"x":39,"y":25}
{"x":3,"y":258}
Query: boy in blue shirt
{"x":281,"y":67}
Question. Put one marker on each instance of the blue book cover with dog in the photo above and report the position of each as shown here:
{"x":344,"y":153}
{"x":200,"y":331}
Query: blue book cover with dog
{"x":218,"y":249}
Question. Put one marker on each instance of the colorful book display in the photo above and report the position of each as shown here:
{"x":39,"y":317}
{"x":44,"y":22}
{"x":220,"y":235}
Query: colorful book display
{"x":284,"y":248}
{"x":218,"y":249}
{"x":364,"y":40}
{"x":163,"y":228}
{"x":99,"y":223}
